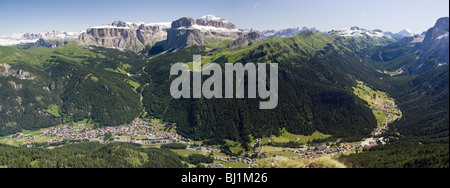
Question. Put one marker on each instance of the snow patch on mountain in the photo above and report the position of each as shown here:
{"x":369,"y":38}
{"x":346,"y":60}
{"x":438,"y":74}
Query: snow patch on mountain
{"x":359,"y":32}
{"x":163,"y":25}
{"x":442,"y":36}
{"x":111,"y":27}
{"x":266,"y":34}
{"x":214,"y":18}
{"x":205,"y":29}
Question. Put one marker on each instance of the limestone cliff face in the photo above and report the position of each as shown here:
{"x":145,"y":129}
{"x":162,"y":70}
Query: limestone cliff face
{"x":179,"y":34}
{"x":433,"y":51}
{"x":7,"y":70}
{"x":48,"y":43}
{"x":246,"y":40}
{"x":206,"y":30}
{"x":181,"y":38}
{"x":183,"y":22}
{"x":213,"y":21}
{"x":123,"y":36}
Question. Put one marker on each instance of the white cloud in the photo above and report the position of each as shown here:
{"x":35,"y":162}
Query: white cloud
{"x":257,"y":5}
{"x":364,"y":13}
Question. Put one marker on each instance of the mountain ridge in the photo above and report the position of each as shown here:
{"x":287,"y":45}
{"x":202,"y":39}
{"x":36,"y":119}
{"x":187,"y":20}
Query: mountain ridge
{"x":136,"y":36}
{"x":433,"y":50}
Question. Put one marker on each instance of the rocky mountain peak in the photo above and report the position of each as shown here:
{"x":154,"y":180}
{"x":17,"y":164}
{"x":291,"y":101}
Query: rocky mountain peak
{"x":186,"y":32}
{"x":120,"y":23}
{"x":443,"y":23}
{"x":405,"y":33}
{"x":178,"y":34}
{"x":440,"y":29}
{"x":433,"y":51}
{"x":124,"y":35}
{"x":183,"y":22}
{"x":246,"y":40}
{"x":360,"y":32}
{"x":214,"y":21}
{"x":356,"y":28}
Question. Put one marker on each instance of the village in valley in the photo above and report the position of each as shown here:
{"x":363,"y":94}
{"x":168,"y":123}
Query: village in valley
{"x":154,"y":133}
{"x":139,"y":131}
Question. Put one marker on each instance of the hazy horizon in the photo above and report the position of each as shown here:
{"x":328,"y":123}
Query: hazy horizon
{"x":22,"y":16}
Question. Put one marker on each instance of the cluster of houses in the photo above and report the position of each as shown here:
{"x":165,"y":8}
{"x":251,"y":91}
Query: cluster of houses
{"x":320,"y":150}
{"x":18,"y":135}
{"x":323,"y":149}
{"x":204,"y":149}
{"x":215,"y":166}
{"x":138,"y":131}
{"x":388,"y":109}
{"x":234,"y":159}
{"x":29,"y":139}
{"x":372,"y":142}
{"x":242,"y":160}
{"x":257,"y":141}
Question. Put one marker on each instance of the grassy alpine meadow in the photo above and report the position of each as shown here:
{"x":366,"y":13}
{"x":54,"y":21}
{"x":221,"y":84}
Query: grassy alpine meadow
{"x":383,"y":106}
{"x":282,"y":162}
{"x":289,"y":137}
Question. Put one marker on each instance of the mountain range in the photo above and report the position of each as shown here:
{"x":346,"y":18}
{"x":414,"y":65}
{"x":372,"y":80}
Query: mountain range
{"x":25,"y":38}
{"x":178,"y":34}
{"x":402,"y":34}
{"x":112,"y":74}
{"x":431,"y":49}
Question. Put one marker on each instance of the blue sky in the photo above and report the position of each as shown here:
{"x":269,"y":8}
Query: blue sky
{"x":18,"y":16}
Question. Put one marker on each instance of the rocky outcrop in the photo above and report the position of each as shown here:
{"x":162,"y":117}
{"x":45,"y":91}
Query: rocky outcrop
{"x":181,"y":38}
{"x":53,"y":35}
{"x":7,"y":70}
{"x":177,"y":35}
{"x":266,"y":34}
{"x":120,"y":24}
{"x":183,"y":22}
{"x":402,"y":34}
{"x":411,"y":39}
{"x":246,"y":40}
{"x":361,"y":32}
{"x":51,"y":43}
{"x":433,"y":51}
{"x":124,"y":36}
{"x":213,"y":21}
{"x":31,"y":36}
{"x":186,"y":32}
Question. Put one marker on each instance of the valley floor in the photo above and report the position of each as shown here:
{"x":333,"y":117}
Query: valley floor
{"x":264,"y":153}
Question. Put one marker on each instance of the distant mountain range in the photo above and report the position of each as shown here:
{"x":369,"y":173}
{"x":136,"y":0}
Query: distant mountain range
{"x":431,"y":46}
{"x":402,"y":34}
{"x":266,"y":34}
{"x":174,"y":35}
{"x":24,"y":38}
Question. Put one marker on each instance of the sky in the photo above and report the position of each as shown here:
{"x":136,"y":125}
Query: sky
{"x":34,"y":16}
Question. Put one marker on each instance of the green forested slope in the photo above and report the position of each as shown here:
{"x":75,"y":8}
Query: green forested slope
{"x":421,"y":138}
{"x":89,"y":155}
{"x":315,"y":92}
{"x":70,"y":82}
{"x":316,"y":76}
